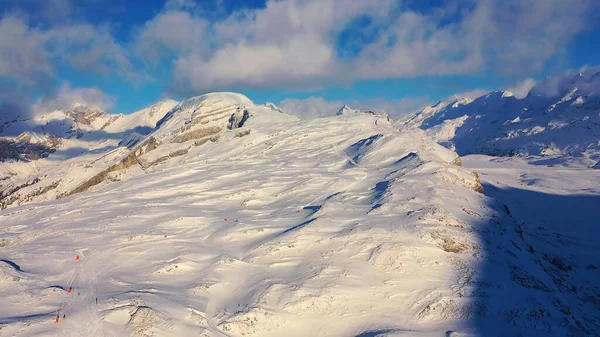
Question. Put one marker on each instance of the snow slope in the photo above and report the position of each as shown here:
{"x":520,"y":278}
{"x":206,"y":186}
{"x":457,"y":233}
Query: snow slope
{"x":294,"y":228}
{"x":145,"y":118}
{"x":344,"y":226}
{"x":558,"y":120}
{"x":557,"y":210}
{"x":234,"y":219}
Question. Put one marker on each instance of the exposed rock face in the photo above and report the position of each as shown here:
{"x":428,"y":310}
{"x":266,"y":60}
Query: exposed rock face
{"x":348,"y":110}
{"x":237,"y":119}
{"x":87,"y":115}
{"x":196,"y":134}
{"x":23,"y":150}
{"x":131,"y":159}
{"x":7,"y":197}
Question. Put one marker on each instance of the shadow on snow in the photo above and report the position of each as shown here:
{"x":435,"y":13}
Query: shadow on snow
{"x":538,"y":273}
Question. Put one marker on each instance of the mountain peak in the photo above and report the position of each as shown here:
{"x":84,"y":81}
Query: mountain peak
{"x":274,"y":107}
{"x":84,"y":114}
{"x":498,"y":94}
{"x":348,"y":110}
{"x":344,"y":110}
{"x":225,"y":97}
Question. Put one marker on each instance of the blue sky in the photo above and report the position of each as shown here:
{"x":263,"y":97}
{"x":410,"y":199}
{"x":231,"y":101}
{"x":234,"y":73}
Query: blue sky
{"x":128,"y":54}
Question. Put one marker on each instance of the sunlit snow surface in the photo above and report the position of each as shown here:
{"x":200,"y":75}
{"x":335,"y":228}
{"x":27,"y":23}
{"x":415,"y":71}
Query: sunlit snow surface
{"x":343,"y":226}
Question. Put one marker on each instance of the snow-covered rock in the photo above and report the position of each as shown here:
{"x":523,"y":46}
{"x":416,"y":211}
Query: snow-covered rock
{"x":345,"y":110}
{"x":292,"y":194}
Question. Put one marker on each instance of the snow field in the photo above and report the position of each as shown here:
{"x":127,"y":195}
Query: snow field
{"x":315,"y":228}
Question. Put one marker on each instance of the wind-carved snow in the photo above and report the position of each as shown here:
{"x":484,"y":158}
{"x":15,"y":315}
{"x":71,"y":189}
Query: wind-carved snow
{"x":343,"y":226}
{"x":556,"y":209}
{"x":234,"y":219}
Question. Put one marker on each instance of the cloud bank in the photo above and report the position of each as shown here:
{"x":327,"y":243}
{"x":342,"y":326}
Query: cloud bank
{"x":316,"y":106}
{"x":296,"y":43}
{"x":291,"y":44}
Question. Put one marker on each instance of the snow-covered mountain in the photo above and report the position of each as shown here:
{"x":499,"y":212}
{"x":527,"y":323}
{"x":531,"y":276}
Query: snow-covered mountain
{"x":39,"y":155}
{"x":74,"y":126}
{"x":146,"y":118}
{"x":113,"y":147}
{"x":235,"y":219}
{"x":345,"y":110}
{"x":559,"y":119}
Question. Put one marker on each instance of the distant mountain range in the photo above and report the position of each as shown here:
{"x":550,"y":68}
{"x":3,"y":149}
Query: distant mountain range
{"x":70,"y":150}
{"x":43,"y":157}
{"x":557,"y":123}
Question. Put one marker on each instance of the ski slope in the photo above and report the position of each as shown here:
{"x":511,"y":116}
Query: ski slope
{"x":309,"y":228}
{"x":343,"y":226}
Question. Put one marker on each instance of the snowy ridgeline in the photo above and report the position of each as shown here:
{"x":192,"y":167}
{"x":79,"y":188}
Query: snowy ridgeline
{"x":557,"y":123}
{"x":70,"y":151}
{"x":47,"y":155}
{"x":233,"y":219}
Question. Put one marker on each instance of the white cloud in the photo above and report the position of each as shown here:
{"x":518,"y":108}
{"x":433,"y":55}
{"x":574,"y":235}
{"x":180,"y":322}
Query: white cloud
{"x":292,"y":43}
{"x":67,"y":97}
{"x":300,"y":62}
{"x":521,"y":89}
{"x":90,"y":48}
{"x":172,"y":33}
{"x":23,"y":56}
{"x":586,"y":80}
{"x":316,"y":106}
{"x":16,"y":103}
{"x":287,"y":43}
{"x":28,"y":56}
{"x":312,"y":107}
